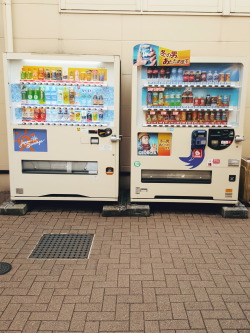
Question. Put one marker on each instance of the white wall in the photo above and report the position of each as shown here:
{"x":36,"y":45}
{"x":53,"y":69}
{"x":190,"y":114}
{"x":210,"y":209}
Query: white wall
{"x":39,"y":27}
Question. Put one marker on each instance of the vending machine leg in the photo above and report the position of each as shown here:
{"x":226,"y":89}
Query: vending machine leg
{"x":238,"y":211}
{"x":125,"y":208}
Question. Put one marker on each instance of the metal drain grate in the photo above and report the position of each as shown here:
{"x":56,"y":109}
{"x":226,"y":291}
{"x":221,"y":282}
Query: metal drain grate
{"x":63,"y":246}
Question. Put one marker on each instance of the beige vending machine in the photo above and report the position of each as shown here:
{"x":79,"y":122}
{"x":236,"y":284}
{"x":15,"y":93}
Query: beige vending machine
{"x":187,"y":126}
{"x":63,"y":126}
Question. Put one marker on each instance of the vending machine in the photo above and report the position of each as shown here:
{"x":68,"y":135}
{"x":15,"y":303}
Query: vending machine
{"x":187,"y":126}
{"x":63,"y":126}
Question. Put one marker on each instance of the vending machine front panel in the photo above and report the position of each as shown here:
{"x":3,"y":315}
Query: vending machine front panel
{"x":63,"y":126}
{"x":196,"y":113}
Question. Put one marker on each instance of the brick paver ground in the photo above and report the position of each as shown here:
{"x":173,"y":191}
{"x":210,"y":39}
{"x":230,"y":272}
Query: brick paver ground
{"x":183,"y":269}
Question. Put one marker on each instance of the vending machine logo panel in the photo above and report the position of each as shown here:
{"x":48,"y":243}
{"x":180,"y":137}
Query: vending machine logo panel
{"x":30,"y":140}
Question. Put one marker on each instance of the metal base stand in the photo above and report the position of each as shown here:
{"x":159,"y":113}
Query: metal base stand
{"x":125,"y":207}
{"x":238,"y":211}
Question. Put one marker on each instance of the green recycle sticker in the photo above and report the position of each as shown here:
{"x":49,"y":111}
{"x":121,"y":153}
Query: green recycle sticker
{"x":137,"y":164}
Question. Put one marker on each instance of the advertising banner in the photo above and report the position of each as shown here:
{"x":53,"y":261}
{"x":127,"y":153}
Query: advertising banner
{"x":153,"y":55}
{"x":30,"y":140}
{"x":154,"y":144}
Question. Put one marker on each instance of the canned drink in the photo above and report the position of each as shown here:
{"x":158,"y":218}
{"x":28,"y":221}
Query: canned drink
{"x":212,"y":116}
{"x":59,"y":74}
{"x":53,"y":75}
{"x":83,"y":76}
{"x":227,"y":77}
{"x":148,"y":118}
{"x":200,"y":116}
{"x":224,"y":116}
{"x":194,"y":116}
{"x":145,"y":52}
{"x":47,"y":74}
{"x":206,"y":116}
{"x":77,"y":75}
{"x":218,"y":116}
{"x":221,"y":77}
{"x":219,"y":100}
{"x":160,"y":118}
{"x":189,"y":116}
{"x":183,"y":116}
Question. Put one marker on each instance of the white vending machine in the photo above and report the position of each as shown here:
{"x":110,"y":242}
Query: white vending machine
{"x":63,"y":126}
{"x":187,"y":126}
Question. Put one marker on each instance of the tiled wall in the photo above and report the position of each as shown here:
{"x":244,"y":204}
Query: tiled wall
{"x":39,"y":27}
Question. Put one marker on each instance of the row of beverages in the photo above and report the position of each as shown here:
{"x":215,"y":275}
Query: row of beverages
{"x":179,"y":75}
{"x":175,"y":97}
{"x":57,"y":95}
{"x":59,"y":74}
{"x":42,"y":114}
{"x":184,"y":117}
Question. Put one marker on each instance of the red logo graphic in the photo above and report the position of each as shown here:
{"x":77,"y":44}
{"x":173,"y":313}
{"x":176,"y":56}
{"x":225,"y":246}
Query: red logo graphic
{"x":197,"y":153}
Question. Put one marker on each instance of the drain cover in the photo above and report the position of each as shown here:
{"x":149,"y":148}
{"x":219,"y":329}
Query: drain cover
{"x":62,"y":246}
{"x":4,"y":268}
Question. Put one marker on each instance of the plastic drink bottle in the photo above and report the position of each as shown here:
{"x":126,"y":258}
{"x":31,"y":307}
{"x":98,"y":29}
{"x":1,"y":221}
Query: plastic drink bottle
{"x":43,"y":114}
{"x":180,"y":74}
{"x":71,"y":115}
{"x":178,"y":98}
{"x":24,"y":94}
{"x":173,"y":76}
{"x":42,"y":94}
{"x":30,"y":95}
{"x":66,"y":95}
{"x":60,"y":96}
{"x":215,"y":77}
{"x":53,"y":95}
{"x":71,"y":95}
{"x":77,"y":116}
{"x":36,"y":95}
{"x":89,"y":116}
{"x":209,"y":77}
{"x":65,"y":115}
{"x":48,"y":95}
{"x":101,"y":100}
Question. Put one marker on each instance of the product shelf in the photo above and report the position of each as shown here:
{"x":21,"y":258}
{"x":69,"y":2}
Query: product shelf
{"x":64,"y":83}
{"x":187,"y":125}
{"x":164,"y":84}
{"x":192,"y":108}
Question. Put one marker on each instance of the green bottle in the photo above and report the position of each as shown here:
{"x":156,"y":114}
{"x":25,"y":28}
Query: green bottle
{"x":42,"y":95}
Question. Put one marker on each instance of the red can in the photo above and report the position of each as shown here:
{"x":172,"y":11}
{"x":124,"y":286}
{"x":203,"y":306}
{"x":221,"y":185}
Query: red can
{"x":196,"y":101}
{"x":202,"y":101}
